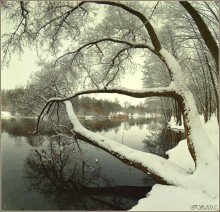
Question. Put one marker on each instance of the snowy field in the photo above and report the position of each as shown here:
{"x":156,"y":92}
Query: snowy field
{"x":201,"y":194}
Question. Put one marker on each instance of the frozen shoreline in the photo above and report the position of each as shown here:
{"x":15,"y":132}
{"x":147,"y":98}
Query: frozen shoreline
{"x":173,"y":198}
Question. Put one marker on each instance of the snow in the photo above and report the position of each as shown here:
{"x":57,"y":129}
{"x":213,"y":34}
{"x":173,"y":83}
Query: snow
{"x":211,"y":129}
{"x":173,"y":198}
{"x":6,"y":115}
{"x":89,"y":117}
{"x":202,"y":192}
{"x":205,"y":153}
{"x":149,"y":162}
{"x":135,"y":115}
{"x":181,"y":156}
{"x":173,"y":125}
{"x":189,"y":189}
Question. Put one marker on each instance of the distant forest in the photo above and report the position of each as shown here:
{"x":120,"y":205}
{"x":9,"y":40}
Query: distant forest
{"x":15,"y":101}
{"x":83,"y":106}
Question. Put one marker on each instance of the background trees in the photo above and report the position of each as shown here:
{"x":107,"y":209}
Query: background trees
{"x":183,"y":39}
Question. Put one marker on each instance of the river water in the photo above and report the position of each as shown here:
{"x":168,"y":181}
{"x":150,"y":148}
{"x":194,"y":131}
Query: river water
{"x":49,"y":172}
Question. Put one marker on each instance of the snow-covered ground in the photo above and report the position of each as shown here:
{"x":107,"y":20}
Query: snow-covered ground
{"x":89,"y":117}
{"x":173,"y":124}
{"x":202,"y":197}
{"x":6,"y":115}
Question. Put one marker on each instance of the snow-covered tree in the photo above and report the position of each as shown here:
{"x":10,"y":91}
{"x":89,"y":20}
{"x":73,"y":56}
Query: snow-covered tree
{"x":99,"y":40}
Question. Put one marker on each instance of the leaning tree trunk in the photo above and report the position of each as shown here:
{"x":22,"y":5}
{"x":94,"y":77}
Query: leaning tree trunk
{"x":199,"y":144}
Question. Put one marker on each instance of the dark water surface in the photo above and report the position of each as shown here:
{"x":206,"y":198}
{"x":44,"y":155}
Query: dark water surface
{"x":50,"y":172}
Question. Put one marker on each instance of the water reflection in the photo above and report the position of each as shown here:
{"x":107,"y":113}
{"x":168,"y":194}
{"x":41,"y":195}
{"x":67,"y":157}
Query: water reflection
{"x":25,"y":127}
{"x":106,"y":125}
{"x":155,"y":136}
{"x":160,"y":139}
{"x":63,"y":176}
{"x":21,"y":127}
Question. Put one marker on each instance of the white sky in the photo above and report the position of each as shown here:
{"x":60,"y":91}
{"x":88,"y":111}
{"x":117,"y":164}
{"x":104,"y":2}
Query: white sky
{"x":19,"y":70}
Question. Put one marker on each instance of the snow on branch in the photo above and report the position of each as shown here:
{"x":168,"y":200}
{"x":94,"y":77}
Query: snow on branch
{"x":199,"y":144}
{"x":137,"y":93}
{"x":140,"y":16}
{"x":96,"y":42}
{"x":61,"y":17}
{"x":160,"y":168}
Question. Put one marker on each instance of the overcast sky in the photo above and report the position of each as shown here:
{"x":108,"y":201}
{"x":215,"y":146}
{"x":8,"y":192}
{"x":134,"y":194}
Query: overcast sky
{"x":19,"y":70}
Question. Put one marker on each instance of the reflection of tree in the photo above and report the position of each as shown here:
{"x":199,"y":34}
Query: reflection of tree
{"x":126,"y":126}
{"x":35,"y":140}
{"x":116,"y":129}
{"x":24,"y":127}
{"x":140,"y":126}
{"x":63,"y":176}
{"x":132,"y":122}
{"x":154,"y":144}
{"x":161,"y":140}
{"x":100,"y":125}
{"x":172,"y":137}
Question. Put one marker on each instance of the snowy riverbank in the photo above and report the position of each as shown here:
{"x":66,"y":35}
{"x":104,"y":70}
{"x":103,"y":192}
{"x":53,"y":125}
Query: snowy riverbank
{"x":194,"y":197}
{"x":6,"y":115}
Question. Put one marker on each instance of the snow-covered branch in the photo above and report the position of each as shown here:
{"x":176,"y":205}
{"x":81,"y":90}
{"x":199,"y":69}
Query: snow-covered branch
{"x":96,"y":42}
{"x":61,"y":17}
{"x":140,"y":16}
{"x":137,"y":93}
{"x":199,"y":144}
{"x":160,"y":168}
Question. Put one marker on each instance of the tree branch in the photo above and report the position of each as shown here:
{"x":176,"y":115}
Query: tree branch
{"x":162,"y":169}
{"x":113,"y":62}
{"x":203,"y":29}
{"x":148,"y":92}
{"x":131,"y":45}
{"x":63,"y":16}
{"x":140,"y":16}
